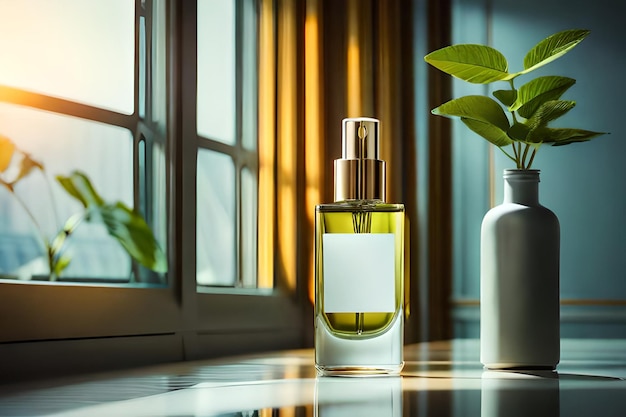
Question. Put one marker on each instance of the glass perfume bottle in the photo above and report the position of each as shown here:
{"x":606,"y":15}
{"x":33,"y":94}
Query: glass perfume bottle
{"x":359,"y":264}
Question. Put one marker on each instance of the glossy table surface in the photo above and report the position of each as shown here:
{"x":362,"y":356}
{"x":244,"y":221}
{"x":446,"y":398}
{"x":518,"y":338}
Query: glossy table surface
{"x":439,"y":379}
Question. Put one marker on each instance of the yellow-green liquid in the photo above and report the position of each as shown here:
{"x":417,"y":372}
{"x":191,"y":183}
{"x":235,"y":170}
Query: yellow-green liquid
{"x":359,"y":217}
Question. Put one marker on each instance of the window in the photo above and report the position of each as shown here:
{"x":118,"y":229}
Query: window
{"x":65,"y":46}
{"x":70,"y":100}
{"x":63,"y":142}
{"x":117,"y":97}
{"x":226,"y":135}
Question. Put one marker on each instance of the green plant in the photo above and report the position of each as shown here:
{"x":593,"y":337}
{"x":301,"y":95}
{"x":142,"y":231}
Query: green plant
{"x":532,"y":106}
{"x":124,"y":224}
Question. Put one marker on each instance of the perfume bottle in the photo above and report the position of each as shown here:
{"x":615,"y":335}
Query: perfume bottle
{"x":359,"y":264}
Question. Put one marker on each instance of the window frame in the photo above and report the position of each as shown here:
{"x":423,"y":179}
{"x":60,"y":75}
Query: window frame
{"x":243,"y":157}
{"x":173,"y":322}
{"x":272,"y":315}
{"x":73,"y":310}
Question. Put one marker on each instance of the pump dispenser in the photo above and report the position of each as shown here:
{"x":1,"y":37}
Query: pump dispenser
{"x":359,"y":174}
{"x":359,"y":264}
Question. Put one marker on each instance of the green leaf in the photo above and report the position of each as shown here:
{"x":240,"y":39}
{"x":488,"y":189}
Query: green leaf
{"x":60,"y":264}
{"x":479,"y":108}
{"x":549,"y":111}
{"x":488,"y":131}
{"x":7,"y":149}
{"x":124,"y":224}
{"x":26,"y":164}
{"x":134,"y":234}
{"x":561,"y":136}
{"x":506,"y":97}
{"x":553,"y":47}
{"x":519,"y":131}
{"x":477,"y":64}
{"x":536,"y":92}
{"x":79,"y":187}
{"x":68,"y":228}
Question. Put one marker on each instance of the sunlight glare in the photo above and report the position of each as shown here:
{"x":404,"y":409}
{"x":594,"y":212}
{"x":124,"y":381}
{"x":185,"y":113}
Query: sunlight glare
{"x":74,"y":49}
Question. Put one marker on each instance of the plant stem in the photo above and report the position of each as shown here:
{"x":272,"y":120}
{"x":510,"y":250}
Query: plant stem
{"x":532,"y":157}
{"x":518,"y":159}
{"x":526,"y":146}
{"x":21,"y":202}
{"x":517,"y":150}
{"x":44,"y":239}
{"x":56,"y":249}
{"x":55,"y":212}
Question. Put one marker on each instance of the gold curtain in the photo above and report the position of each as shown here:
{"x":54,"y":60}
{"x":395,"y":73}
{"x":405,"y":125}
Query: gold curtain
{"x":322,"y":61}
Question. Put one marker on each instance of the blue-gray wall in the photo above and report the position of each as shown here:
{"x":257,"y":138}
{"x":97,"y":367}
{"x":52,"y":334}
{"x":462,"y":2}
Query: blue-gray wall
{"x":584,"y":184}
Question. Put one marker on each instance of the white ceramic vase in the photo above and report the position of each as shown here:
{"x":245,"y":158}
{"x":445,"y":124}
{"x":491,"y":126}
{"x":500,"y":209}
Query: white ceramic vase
{"x":519,"y":279}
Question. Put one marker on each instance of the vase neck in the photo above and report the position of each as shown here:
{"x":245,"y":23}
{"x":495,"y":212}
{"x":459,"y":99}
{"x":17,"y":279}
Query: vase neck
{"x":521,"y":186}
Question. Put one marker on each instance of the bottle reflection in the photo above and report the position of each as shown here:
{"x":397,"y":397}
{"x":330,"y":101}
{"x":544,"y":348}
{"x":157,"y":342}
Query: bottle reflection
{"x":520,"y":393}
{"x":363,"y":397}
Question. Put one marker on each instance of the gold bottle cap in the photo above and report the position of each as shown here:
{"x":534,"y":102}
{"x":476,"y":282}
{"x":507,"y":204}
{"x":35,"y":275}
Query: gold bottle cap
{"x":359,"y":174}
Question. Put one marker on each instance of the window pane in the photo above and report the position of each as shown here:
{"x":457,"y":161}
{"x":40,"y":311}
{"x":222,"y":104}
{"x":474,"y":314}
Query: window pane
{"x":216,"y":70}
{"x":63,"y":144}
{"x":249,"y":74}
{"x":159,"y":87}
{"x":248,"y":228}
{"x":74,"y":49}
{"x":142,"y":67}
{"x":215,"y":219}
{"x":159,"y":194}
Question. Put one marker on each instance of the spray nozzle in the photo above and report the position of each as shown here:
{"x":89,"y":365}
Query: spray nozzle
{"x":360,"y":138}
{"x":359,"y":174}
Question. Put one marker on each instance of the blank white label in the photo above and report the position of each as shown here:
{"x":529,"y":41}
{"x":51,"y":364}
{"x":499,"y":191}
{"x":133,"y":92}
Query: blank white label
{"x":359,"y":272}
